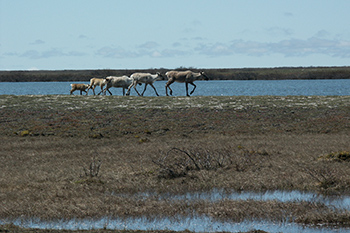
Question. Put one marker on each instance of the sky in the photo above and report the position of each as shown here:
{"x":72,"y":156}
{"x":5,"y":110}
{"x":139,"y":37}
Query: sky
{"x":143,"y":34}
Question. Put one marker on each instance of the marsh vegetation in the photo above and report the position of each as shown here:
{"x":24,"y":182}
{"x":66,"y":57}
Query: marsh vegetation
{"x":78,"y":157}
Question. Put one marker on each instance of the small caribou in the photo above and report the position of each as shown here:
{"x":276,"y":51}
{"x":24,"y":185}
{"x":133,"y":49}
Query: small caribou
{"x":80,"y":87}
{"x":146,"y":78}
{"x":187,"y":77}
{"x":96,"y":82}
{"x":123,"y":82}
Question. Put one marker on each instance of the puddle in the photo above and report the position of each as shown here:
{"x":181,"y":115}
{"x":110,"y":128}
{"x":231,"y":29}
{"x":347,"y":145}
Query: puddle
{"x":195,"y":224}
{"x":340,"y":202}
{"x":200,"y":223}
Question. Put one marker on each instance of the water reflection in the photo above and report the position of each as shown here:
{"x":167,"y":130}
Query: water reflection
{"x":200,"y":223}
{"x":195,"y":224}
{"x":340,"y":202}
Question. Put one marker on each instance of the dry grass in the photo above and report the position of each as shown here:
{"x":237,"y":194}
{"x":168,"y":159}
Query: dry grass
{"x":16,"y":229}
{"x":50,"y":153}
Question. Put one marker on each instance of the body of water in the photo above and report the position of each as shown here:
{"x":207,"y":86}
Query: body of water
{"x":201,"y":223}
{"x":336,"y":87}
{"x":193,"y":224}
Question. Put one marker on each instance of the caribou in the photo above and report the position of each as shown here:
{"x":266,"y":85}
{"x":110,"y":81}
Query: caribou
{"x":123,"y":82}
{"x":80,"y":87}
{"x":96,"y":82}
{"x":146,"y":78}
{"x":187,"y":77}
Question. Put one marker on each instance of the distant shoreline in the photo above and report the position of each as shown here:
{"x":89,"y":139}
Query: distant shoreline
{"x":278,"y":73}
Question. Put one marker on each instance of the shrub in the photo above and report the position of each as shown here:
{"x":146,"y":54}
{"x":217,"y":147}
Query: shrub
{"x":337,"y":156}
{"x":94,"y":168}
{"x":178,"y":162}
{"x":24,"y":133}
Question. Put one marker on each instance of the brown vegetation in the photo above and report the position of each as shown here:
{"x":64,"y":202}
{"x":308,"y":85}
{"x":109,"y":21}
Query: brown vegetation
{"x":70,"y":156}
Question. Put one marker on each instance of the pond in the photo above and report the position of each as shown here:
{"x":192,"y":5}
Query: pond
{"x":336,"y":87}
{"x":341,"y":202}
{"x":195,"y":224}
{"x":201,"y":223}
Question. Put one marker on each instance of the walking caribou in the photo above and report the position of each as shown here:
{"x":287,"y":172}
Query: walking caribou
{"x":187,"y":77}
{"x":78,"y":86}
{"x":146,"y":78}
{"x":123,"y":82}
{"x":96,"y":82}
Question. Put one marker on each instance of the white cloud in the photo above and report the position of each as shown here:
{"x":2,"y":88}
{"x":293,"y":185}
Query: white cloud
{"x":217,"y":49}
{"x":38,"y":42}
{"x":144,"y":50}
{"x":313,"y":45}
{"x":278,"y":31}
{"x":288,"y":48}
{"x":174,"y":52}
{"x":198,"y":38}
{"x":75,"y":54}
{"x":156,"y":54}
{"x":82,"y":36}
{"x":149,"y":45}
{"x":192,"y":27}
{"x":288,"y":14}
{"x":252,"y":48}
{"x":322,"y":34}
{"x":35,"y":54}
{"x":10,"y":54}
{"x":110,"y":52}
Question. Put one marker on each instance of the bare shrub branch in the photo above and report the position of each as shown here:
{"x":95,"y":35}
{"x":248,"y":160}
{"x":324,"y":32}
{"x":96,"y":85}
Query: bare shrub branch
{"x":94,"y":168}
{"x":325,"y":176}
{"x":177,"y":162}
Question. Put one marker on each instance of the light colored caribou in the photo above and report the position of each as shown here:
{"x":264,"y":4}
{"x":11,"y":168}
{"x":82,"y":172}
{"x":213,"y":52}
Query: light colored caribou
{"x":146,"y":78}
{"x":187,"y":77}
{"x":113,"y":81}
{"x":96,"y":82}
{"x":78,"y":86}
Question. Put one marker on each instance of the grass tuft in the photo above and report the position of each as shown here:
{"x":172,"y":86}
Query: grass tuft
{"x":339,"y":156}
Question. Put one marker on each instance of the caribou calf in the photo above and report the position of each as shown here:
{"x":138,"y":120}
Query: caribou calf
{"x":80,"y":87}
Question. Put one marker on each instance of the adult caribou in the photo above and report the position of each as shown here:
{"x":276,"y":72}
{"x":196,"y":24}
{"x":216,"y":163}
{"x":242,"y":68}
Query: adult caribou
{"x":187,"y":77}
{"x":123,"y":82}
{"x":146,"y":78}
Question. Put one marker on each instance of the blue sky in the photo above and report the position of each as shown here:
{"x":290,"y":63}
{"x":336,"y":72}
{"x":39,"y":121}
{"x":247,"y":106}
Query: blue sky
{"x":141,"y":34}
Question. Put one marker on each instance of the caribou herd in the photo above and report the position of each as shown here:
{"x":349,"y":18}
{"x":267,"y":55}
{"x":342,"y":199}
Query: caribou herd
{"x":126,"y":83}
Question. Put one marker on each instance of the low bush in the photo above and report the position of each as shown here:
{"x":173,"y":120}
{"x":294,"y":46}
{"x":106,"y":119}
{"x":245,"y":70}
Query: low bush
{"x":337,"y":156}
{"x":178,"y":162}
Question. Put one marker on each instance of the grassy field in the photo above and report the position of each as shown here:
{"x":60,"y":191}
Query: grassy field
{"x":67,"y":157}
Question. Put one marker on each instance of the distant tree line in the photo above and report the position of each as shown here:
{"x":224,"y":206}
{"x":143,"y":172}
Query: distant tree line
{"x":214,"y":74}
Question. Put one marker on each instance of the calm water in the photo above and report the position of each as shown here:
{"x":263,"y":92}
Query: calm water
{"x":340,"y":202}
{"x":204,"y":88}
{"x":195,"y":224}
{"x":201,"y":223}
